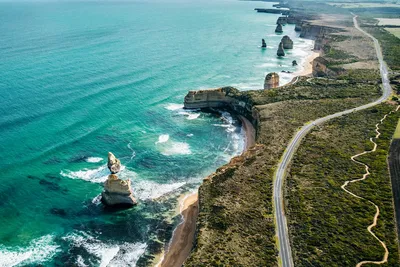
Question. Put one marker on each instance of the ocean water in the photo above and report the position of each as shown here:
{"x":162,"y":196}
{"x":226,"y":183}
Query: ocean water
{"x":79,"y":79}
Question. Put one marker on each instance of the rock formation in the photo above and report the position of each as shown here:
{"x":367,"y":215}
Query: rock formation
{"x":279,"y":28}
{"x":319,"y":68}
{"x":117,"y":192}
{"x":282,"y":20}
{"x":287,"y":42}
{"x":114,"y":165}
{"x":280,"y":52}
{"x":271,"y":80}
{"x":297,"y":28}
{"x":264,"y":44}
{"x":294,"y":63}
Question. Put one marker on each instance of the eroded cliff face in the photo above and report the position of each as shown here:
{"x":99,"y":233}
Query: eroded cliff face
{"x":222,"y":98}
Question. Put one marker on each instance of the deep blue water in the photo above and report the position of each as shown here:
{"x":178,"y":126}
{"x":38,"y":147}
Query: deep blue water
{"x":79,"y":79}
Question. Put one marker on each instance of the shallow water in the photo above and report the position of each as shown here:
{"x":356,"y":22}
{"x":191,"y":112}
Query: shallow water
{"x":80,"y":79}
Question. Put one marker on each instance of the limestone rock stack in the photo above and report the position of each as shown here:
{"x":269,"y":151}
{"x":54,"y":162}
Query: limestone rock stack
{"x":279,"y":28}
{"x":287,"y":42}
{"x":264,"y":44}
{"x":271,"y":80}
{"x":114,"y":165}
{"x":282,"y":20}
{"x":280,"y":52}
{"x":117,"y":192}
{"x":297,"y":28}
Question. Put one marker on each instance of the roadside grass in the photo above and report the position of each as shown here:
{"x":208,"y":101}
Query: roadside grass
{"x":397,"y":132}
{"x":327,"y":226}
{"x":389,"y":42}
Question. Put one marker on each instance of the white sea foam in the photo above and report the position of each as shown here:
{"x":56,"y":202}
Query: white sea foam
{"x":190,"y":115}
{"x":93,"y":159}
{"x":151,"y":190}
{"x":98,"y":175}
{"x":39,"y":251}
{"x":174,"y":106}
{"x":176,"y":148}
{"x":143,"y":190}
{"x":162,"y":138}
{"x":109,"y":254}
{"x":189,"y":135}
{"x":97,"y":200}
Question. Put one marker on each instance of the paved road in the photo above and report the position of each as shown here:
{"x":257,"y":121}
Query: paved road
{"x":285,"y":252}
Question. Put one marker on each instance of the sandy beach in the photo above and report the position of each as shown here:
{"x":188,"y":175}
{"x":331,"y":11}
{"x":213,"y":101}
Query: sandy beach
{"x":307,"y":65}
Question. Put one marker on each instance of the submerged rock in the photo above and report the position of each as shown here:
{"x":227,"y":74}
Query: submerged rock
{"x":287,"y":42}
{"x":271,"y":80}
{"x":114,"y":164}
{"x":280,"y":52}
{"x":279,"y":28}
{"x":264,"y":44}
{"x":117,"y":192}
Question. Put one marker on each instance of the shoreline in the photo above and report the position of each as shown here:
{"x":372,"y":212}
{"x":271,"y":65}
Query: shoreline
{"x":306,"y":67}
{"x":183,"y":236}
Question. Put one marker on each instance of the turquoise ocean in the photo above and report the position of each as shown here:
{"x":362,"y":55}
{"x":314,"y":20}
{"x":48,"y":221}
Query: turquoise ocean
{"x":79,"y":79}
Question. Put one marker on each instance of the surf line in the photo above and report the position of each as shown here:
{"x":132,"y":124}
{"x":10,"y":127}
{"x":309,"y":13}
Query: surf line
{"x":366,"y":174}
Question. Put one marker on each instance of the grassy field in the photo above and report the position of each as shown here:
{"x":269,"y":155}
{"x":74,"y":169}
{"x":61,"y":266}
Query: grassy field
{"x":236,"y":221}
{"x":327,"y":225}
{"x":397,"y":132}
{"x":389,"y":42}
{"x":394,"y":31}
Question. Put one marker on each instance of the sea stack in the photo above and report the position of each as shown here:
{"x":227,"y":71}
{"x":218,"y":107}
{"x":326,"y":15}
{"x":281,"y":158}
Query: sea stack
{"x":287,"y":42}
{"x":264,"y":44}
{"x":297,"y":28}
{"x":280,"y":52}
{"x":282,"y":20}
{"x":117,"y":192}
{"x":114,"y":165}
{"x":271,"y":80}
{"x":279,"y":28}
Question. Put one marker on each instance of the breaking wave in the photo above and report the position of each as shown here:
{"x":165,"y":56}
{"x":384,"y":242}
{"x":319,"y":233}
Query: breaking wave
{"x":39,"y":251}
{"x":93,"y":159}
{"x":105,"y":254}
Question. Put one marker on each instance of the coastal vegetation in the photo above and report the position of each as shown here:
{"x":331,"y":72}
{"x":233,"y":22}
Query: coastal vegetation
{"x":389,"y":42}
{"x":236,"y":221}
{"x":327,"y":225}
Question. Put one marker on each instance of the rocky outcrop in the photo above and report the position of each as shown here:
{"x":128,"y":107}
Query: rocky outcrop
{"x":280,"y":52}
{"x":297,"y":28}
{"x":287,"y":42}
{"x":117,"y":192}
{"x":279,"y":28}
{"x":114,"y":165}
{"x":319,"y":68}
{"x":271,"y":80}
{"x":294,"y":63}
{"x":282,"y":20}
{"x":263,"y":44}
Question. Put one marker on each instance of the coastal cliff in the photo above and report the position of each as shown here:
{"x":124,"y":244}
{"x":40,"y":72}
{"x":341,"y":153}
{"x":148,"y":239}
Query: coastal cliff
{"x":223,"y":98}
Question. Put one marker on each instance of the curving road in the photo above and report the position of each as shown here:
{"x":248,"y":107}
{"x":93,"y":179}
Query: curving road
{"x":285,"y":252}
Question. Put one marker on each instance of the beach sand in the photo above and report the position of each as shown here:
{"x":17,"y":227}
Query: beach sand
{"x":183,"y":236}
{"x":307,"y":66}
{"x":182,"y":239}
